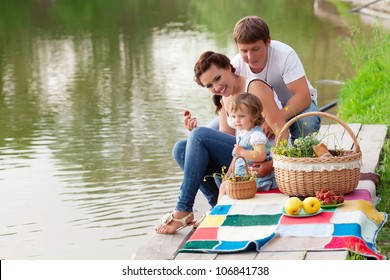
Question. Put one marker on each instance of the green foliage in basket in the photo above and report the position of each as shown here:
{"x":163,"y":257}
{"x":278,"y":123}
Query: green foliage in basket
{"x":252,"y":175}
{"x":302,"y":147}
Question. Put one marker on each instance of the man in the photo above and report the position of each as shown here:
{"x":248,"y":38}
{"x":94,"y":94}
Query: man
{"x":279,"y":65}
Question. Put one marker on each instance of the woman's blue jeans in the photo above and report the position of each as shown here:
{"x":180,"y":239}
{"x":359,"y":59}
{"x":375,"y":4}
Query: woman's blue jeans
{"x":204,"y":153}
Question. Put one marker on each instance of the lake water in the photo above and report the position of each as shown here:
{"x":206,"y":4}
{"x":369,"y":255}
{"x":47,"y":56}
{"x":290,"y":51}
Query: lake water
{"x":91,"y":101}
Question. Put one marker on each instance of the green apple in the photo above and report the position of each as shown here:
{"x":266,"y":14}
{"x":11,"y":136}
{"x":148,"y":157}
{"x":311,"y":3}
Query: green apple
{"x":311,"y":205}
{"x":293,"y":206}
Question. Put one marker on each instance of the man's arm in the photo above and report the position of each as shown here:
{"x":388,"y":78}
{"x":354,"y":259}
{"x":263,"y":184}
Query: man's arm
{"x":299,"y":101}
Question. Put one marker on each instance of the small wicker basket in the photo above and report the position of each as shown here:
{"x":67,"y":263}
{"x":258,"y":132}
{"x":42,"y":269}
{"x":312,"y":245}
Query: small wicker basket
{"x":302,"y":177}
{"x":241,"y":189}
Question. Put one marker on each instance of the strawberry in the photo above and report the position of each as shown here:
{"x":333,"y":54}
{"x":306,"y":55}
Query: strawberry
{"x":327,"y":201}
{"x":186,"y":113}
{"x":327,"y":195}
{"x":340,"y":199}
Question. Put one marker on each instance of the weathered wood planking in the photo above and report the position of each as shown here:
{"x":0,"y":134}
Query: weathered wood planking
{"x":333,"y":135}
{"x":163,"y":247}
{"x":327,"y":255}
{"x":370,"y":138}
{"x":287,"y":255}
{"x":195,"y":256}
{"x":336,"y":136}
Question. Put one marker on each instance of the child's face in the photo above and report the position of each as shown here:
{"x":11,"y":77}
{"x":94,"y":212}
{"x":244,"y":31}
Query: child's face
{"x":242,"y":120}
{"x":255,"y":54}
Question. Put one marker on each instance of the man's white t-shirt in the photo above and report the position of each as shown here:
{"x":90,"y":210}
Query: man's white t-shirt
{"x":283,"y":67}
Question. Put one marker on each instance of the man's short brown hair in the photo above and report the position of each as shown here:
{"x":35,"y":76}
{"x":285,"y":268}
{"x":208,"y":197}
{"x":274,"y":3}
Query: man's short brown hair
{"x":251,"y":29}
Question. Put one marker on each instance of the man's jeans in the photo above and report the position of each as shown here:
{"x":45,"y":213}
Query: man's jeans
{"x":305,"y":126}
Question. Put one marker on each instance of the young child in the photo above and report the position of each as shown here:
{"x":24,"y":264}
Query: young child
{"x":245,"y":110}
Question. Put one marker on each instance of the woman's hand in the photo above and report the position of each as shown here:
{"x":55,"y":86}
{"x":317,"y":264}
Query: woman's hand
{"x":262,"y":168}
{"x":189,"y":121}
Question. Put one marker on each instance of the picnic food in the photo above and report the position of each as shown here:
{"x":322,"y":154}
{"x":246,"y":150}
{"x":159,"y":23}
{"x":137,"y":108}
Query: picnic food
{"x":186,"y":113}
{"x":327,"y":197}
{"x":321,"y":150}
{"x":311,"y":205}
{"x":293,"y":206}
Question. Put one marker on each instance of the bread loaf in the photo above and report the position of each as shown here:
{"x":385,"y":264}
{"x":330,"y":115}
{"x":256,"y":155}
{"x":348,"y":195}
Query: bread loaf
{"x":321,"y":150}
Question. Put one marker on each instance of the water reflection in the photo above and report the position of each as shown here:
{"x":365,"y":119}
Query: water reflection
{"x":91,"y":100}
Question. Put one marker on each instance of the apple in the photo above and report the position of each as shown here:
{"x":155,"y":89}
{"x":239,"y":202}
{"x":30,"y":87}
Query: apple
{"x":311,"y":205}
{"x":293,"y":206}
{"x":186,"y":113}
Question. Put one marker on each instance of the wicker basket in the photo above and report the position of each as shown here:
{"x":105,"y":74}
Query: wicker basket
{"x":241,"y":189}
{"x":302,"y":177}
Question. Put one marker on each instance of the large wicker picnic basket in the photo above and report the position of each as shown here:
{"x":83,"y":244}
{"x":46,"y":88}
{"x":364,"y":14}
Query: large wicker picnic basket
{"x":241,"y":189}
{"x":302,"y":177}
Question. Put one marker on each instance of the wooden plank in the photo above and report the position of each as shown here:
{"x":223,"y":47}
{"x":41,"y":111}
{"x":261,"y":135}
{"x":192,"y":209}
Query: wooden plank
{"x":326,"y":255}
{"x":347,"y":140}
{"x":336,"y":136}
{"x":163,"y":247}
{"x":371,"y":139}
{"x":323,"y":129}
{"x":250,"y":255}
{"x":285,"y":255}
{"x":332,"y":136}
{"x":196,"y":256}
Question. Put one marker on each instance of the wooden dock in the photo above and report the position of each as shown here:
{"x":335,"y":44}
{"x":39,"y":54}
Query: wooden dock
{"x":371,"y":140}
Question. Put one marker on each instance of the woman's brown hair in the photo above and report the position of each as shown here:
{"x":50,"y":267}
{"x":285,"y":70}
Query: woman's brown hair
{"x":205,"y":61}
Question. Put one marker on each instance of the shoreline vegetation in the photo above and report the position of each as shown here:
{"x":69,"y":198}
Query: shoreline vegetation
{"x":366,"y":99}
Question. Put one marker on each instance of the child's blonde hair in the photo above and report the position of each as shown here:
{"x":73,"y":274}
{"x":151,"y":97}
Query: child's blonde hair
{"x":249,"y":102}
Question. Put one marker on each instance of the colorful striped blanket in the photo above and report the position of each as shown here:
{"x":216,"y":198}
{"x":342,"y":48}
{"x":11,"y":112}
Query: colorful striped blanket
{"x":259,"y":224}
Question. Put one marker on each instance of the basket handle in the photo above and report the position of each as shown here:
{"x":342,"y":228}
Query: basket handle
{"x":356,"y":146}
{"x":246,"y":164}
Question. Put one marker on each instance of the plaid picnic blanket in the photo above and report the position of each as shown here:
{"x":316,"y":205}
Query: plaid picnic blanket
{"x":259,"y":224}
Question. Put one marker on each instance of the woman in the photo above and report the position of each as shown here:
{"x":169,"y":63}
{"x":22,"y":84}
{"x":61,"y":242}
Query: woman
{"x":206,"y":150}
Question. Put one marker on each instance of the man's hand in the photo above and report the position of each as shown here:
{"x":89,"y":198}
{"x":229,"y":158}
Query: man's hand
{"x":262,"y":168}
{"x":268,"y":131}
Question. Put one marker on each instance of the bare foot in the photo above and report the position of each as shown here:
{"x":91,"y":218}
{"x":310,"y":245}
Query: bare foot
{"x":175,"y":221}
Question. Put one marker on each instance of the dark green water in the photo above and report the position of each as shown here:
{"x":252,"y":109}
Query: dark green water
{"x":91,"y":100}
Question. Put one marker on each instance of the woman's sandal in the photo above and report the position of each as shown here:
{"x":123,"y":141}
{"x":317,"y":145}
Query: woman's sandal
{"x":169,"y":218}
{"x":200,"y":220}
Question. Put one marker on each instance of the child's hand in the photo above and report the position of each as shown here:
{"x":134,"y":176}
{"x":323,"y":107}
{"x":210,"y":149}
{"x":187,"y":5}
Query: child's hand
{"x":237,"y":150}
